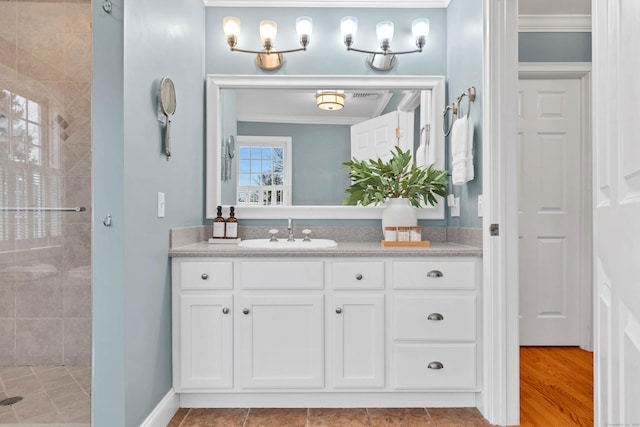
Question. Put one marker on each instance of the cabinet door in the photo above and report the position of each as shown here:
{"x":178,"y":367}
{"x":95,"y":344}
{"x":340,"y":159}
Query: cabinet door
{"x":281,"y":341}
{"x":358,"y":341}
{"x":205,"y":342}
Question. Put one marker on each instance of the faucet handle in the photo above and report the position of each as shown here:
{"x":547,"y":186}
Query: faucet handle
{"x":306,"y":233}
{"x":273,"y":233}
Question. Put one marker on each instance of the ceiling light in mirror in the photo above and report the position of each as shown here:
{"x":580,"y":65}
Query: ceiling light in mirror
{"x":330,"y":100}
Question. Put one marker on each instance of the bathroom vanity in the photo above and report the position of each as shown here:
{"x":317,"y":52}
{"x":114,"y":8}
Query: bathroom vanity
{"x":353,"y":325}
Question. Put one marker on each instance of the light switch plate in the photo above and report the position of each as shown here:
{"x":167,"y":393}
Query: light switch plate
{"x":455,"y":209}
{"x":160,"y":204}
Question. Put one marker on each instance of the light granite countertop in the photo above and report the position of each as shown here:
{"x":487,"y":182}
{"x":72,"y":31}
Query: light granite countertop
{"x":348,"y":249}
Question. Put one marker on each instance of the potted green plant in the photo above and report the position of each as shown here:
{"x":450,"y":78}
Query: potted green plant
{"x":398,"y":183}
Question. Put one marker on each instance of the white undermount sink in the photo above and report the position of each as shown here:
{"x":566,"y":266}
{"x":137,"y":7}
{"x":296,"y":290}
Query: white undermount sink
{"x":284,"y":244}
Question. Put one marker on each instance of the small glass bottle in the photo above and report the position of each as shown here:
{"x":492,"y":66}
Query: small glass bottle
{"x":416,"y":233}
{"x":404,"y":234}
{"x":390,"y":234}
{"x":219,"y":225}
{"x":232,"y":224}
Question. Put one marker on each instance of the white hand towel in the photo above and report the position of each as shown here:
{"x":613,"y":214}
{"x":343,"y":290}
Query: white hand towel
{"x":469,"y":166}
{"x":421,"y":156}
{"x":459,"y":151}
{"x":462,"y":151}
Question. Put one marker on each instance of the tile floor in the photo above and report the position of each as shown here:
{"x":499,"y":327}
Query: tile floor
{"x":315,"y":417}
{"x":52,"y":396}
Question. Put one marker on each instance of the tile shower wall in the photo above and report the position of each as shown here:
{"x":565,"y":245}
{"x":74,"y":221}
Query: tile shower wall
{"x":45,"y":161}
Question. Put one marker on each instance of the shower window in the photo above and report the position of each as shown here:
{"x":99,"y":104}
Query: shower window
{"x":264,"y":172}
{"x":29,"y":174}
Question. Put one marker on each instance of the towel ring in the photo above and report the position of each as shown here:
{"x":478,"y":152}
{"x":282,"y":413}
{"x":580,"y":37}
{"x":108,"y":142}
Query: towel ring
{"x":454,"y":113}
{"x":471,"y":97}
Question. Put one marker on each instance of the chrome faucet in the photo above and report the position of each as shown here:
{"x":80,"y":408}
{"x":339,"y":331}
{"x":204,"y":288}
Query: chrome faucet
{"x":290,"y":228}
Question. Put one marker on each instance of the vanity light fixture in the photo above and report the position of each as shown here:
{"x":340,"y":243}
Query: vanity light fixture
{"x":384,"y":59}
{"x":330,"y":100}
{"x":268,"y":58}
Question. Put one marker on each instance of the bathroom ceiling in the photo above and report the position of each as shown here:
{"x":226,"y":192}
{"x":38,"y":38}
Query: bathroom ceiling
{"x":299,"y":106}
{"x":525,"y":7}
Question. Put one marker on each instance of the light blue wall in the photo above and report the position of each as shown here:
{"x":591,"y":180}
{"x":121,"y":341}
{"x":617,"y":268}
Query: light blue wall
{"x":554,"y":47}
{"x":326,"y":53}
{"x":318,"y":153}
{"x":108,"y":383}
{"x":140,"y":42}
{"x":464,"y":69}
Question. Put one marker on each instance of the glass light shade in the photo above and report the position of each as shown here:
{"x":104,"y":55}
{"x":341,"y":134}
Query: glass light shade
{"x":330,"y":100}
{"x":420,"y":27}
{"x":231,"y":26}
{"x":384,"y":30}
{"x":304,"y":25}
{"x":349,"y":25}
{"x":268,"y":31}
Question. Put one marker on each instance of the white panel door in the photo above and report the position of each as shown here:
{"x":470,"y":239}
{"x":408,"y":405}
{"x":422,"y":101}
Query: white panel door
{"x":358,"y":340}
{"x":206,"y":342}
{"x":616,"y":32}
{"x":376,"y":138}
{"x":549,"y":147}
{"x":281,"y":342}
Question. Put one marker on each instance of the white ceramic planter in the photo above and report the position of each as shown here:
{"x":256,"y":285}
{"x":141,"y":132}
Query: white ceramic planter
{"x":399,"y":213}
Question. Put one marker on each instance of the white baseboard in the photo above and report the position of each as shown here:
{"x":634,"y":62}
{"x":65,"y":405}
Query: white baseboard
{"x":164,"y":411}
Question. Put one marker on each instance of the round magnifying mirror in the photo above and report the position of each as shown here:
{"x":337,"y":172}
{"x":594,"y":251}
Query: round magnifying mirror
{"x":167,"y":99}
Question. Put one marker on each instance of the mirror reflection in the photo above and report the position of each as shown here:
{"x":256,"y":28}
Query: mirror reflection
{"x":291,"y":143}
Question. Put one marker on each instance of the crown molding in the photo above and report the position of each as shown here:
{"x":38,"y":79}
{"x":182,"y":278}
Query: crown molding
{"x":418,"y":4}
{"x":554,"y":23}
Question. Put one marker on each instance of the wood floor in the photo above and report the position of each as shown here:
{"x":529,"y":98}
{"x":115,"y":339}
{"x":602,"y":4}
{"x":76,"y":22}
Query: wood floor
{"x":556,"y":387}
{"x":556,"y":390}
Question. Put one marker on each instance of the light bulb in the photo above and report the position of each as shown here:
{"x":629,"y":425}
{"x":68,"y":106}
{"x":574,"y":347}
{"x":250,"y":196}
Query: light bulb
{"x":384,"y":31}
{"x":268,"y":31}
{"x":231,"y":26}
{"x":420,"y":27}
{"x":349,"y":26}
{"x":304,"y":25}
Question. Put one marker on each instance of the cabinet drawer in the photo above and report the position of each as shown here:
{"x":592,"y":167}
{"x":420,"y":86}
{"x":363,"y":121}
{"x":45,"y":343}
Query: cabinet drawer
{"x":416,"y":366}
{"x":434,"y":275}
{"x":442,"y":318}
{"x":206,"y":275}
{"x":281,"y":275}
{"x":358,"y":275}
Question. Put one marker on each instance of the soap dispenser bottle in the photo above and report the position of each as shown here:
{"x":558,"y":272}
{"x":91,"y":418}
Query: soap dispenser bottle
{"x":232,"y":224}
{"x":219,"y":225}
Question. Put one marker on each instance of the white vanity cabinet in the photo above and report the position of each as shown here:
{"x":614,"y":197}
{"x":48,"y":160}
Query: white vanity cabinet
{"x":326,"y":331}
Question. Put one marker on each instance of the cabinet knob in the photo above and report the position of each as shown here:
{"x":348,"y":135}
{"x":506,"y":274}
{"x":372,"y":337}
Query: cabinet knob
{"x":225,"y":310}
{"x":338,"y":310}
{"x":245,"y":311}
{"x":434,"y":274}
{"x":435,"y":316}
{"x":358,"y":276}
{"x":204,"y":276}
{"x":435,"y":365}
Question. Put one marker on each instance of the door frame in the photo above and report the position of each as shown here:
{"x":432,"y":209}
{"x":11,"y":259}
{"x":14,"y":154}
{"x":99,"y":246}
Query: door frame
{"x":499,"y":400}
{"x":580,"y":71}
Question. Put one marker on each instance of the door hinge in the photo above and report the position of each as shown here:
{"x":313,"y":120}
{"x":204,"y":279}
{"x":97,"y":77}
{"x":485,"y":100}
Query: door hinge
{"x":494,"y":230}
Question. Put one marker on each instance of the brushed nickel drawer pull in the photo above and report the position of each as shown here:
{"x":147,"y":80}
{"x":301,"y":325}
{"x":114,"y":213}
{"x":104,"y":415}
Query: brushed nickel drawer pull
{"x":338,"y":310}
{"x":435,"y":365}
{"x":204,"y":276}
{"x":245,"y":311}
{"x":358,"y":276}
{"x":225,"y":310}
{"x":434,"y":274}
{"x":435,"y":317}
